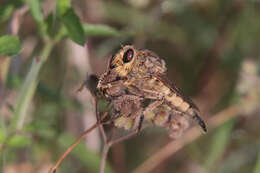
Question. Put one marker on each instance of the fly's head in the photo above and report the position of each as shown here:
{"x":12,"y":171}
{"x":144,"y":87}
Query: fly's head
{"x":130,"y":65}
{"x":123,"y":61}
{"x":118,"y":68}
{"x":130,"y":61}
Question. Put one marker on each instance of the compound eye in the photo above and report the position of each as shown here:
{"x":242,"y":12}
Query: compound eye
{"x":128,"y":55}
{"x":112,"y":66}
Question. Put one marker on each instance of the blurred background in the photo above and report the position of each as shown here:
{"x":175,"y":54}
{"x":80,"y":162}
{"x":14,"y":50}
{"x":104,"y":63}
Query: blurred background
{"x":211,"y":49}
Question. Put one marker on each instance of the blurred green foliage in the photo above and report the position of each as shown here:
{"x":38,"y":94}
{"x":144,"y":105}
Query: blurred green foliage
{"x":9,"y":45}
{"x":204,"y":44}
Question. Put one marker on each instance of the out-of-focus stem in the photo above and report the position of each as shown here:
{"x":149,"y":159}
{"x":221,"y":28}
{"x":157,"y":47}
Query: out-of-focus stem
{"x":28,"y":88}
{"x":104,"y":158}
{"x":31,"y":81}
{"x":257,"y":165}
{"x":54,"y":168}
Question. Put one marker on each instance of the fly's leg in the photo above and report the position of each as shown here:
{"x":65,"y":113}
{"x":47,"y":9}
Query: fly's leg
{"x":152,"y":94}
{"x":129,"y":107}
{"x":148,"y":112}
{"x":201,"y":123}
{"x":140,"y":123}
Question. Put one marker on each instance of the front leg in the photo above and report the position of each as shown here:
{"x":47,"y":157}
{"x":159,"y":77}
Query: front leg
{"x":140,"y":123}
{"x":130,"y":109}
{"x":113,"y":89}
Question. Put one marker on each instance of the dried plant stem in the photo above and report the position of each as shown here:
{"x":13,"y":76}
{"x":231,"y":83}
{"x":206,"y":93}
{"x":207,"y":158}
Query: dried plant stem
{"x":108,"y":142}
{"x":123,"y":138}
{"x":192,"y":134}
{"x":104,"y":158}
{"x":111,"y":142}
{"x":107,"y":146}
{"x":104,"y":136}
{"x":54,"y":168}
{"x":101,"y":127}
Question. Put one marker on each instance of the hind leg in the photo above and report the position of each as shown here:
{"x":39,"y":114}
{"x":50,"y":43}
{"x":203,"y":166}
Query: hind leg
{"x":148,"y":112}
{"x":140,"y":123}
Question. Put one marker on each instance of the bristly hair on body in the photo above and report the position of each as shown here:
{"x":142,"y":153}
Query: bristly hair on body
{"x":134,"y":77}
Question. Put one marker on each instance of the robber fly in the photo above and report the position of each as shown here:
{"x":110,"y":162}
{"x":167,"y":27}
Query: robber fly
{"x":135,"y":82}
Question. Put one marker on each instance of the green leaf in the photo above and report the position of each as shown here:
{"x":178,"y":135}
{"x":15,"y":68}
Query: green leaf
{"x":99,"y":30}
{"x":6,"y":12}
{"x":50,"y":25}
{"x":91,"y":160}
{"x":35,"y":7}
{"x":9,"y":45}
{"x":2,"y":135}
{"x":36,"y":11}
{"x":219,"y":143}
{"x":19,"y":141}
{"x":71,"y":21}
{"x":73,"y":26}
{"x":62,"y":6}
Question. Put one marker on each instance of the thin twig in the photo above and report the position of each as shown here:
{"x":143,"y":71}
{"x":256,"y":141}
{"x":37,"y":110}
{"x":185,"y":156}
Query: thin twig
{"x":108,"y":142}
{"x":120,"y":139}
{"x":192,"y":134}
{"x":104,"y":136}
{"x":54,"y":168}
{"x":107,"y":146}
{"x":101,"y":127}
{"x":123,"y":138}
{"x":104,"y":158}
{"x":111,"y":142}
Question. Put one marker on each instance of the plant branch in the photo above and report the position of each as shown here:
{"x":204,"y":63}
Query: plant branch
{"x":123,"y":138}
{"x":65,"y":154}
{"x":28,"y":88}
{"x":111,"y":142}
{"x":101,"y":127}
{"x":104,"y":158}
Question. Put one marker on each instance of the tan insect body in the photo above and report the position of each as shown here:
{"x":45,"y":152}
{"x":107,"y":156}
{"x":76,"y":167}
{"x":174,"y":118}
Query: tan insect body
{"x":135,"y":83}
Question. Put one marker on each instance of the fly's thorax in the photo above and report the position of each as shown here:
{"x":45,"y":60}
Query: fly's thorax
{"x":155,"y":65}
{"x":147,"y":63}
{"x":151,"y":84}
{"x":116,"y":90}
{"x":152,"y":62}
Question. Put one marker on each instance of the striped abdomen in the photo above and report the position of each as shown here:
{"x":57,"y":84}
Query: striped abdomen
{"x":178,"y":102}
